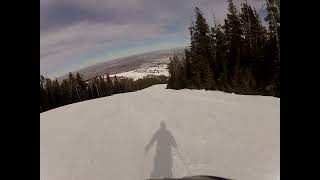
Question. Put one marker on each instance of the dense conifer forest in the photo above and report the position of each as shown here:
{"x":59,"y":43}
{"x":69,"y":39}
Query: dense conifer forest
{"x":74,"y":89}
{"x":240,"y":56}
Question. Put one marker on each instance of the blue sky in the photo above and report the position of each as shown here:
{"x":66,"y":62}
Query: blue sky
{"x":79,"y":33}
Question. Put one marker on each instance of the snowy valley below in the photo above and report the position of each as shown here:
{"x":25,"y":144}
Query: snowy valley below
{"x":154,"y":70}
{"x":217,"y":133}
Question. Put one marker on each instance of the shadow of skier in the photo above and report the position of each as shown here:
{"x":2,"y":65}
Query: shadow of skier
{"x":162,"y":163}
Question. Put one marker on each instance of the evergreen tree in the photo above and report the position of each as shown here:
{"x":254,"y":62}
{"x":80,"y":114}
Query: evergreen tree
{"x":72,"y":88}
{"x":44,"y":98}
{"x":221,"y":55}
{"x":109,"y":86}
{"x":49,"y":91}
{"x":201,"y":57}
{"x":254,"y":33}
{"x":172,"y":73}
{"x":95,"y":86}
{"x":66,"y":95}
{"x":81,"y":86}
{"x":187,"y":66}
{"x":272,"y":50}
{"x":57,"y":93}
{"x":273,"y":17}
{"x":254,"y":44}
{"x":177,"y":73}
{"x":103,"y":86}
{"x":233,"y":33}
{"x":116,"y":88}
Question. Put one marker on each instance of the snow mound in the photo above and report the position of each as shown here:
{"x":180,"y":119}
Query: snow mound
{"x":220,"y":134}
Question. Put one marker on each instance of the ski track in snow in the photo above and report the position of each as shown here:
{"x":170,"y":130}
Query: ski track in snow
{"x":217,"y":133}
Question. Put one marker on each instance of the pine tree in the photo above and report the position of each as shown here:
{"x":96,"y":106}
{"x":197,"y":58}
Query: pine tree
{"x":254,"y":33}
{"x":44,"y":98}
{"x":66,"y":94}
{"x":272,"y":50}
{"x":91,"y":90}
{"x":218,"y":47}
{"x":209,"y":83}
{"x":176,"y":72}
{"x":116,"y":88}
{"x":187,"y":68}
{"x":57,"y":93}
{"x":103,"y":86}
{"x":50,"y":93}
{"x":273,"y":17}
{"x":201,"y":56}
{"x":233,"y":33}
{"x":172,"y":74}
{"x":221,"y":55}
{"x":109,"y":86}
{"x":213,"y":51}
{"x":253,"y":48}
{"x":72,"y":88}
{"x":81,"y":86}
{"x":95,"y":84}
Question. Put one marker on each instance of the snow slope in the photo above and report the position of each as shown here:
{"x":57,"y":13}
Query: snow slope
{"x":156,"y":70}
{"x":233,"y":136}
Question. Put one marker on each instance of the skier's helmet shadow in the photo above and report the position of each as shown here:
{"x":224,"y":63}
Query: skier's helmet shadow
{"x":162,"y":163}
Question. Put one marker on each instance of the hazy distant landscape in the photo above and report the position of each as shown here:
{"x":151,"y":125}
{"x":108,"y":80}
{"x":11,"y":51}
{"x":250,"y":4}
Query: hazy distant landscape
{"x":129,"y":63}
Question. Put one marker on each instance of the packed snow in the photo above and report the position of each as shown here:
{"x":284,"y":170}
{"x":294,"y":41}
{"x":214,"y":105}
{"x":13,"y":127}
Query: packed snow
{"x":156,"y":70}
{"x":216,"y":133}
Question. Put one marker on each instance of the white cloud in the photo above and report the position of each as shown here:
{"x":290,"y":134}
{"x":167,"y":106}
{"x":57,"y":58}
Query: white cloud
{"x":65,"y":44}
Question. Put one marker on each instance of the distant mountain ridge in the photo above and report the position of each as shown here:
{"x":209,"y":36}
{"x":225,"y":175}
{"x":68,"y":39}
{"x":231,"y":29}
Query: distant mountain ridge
{"x":129,"y":63}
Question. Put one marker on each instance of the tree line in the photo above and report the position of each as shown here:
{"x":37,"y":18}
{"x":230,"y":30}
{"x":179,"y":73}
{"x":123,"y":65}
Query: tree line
{"x":74,"y":89}
{"x":240,"y":56}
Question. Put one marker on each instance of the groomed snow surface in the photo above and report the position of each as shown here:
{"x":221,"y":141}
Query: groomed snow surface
{"x":220,"y":134}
